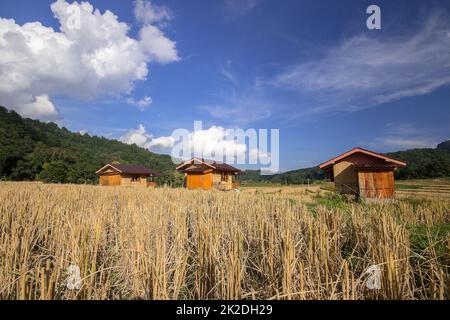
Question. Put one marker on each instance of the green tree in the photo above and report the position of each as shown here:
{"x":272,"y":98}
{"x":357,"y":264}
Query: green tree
{"x":53,"y":172}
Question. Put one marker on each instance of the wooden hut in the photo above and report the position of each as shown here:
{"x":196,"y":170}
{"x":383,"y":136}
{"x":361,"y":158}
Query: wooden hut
{"x":364,"y":173}
{"x":201,"y":174}
{"x":126,"y":175}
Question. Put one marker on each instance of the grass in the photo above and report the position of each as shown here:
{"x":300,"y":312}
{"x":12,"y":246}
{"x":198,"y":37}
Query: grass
{"x":426,"y":188}
{"x":293,"y":243}
{"x":407,"y":187}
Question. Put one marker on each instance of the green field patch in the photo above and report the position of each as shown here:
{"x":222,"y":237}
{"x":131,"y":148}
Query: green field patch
{"x":423,"y":237}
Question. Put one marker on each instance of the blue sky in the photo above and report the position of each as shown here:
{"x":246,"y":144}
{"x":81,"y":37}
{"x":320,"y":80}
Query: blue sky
{"x":309,"y":68}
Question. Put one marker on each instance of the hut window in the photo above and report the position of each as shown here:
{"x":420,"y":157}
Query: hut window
{"x":224,"y":177}
{"x":134,"y":179}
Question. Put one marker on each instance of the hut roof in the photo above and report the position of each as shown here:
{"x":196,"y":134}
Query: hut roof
{"x":202,"y":169}
{"x":130,"y":169}
{"x":211,"y":164}
{"x":391,"y":163}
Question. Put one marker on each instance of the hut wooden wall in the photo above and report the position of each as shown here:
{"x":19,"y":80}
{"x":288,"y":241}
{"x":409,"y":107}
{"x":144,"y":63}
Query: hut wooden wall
{"x":127,"y":180}
{"x":369,"y":183}
{"x":345,"y":178}
{"x":376,"y":184}
{"x":227,"y":184}
{"x":199,"y":181}
{"x":111,"y":180}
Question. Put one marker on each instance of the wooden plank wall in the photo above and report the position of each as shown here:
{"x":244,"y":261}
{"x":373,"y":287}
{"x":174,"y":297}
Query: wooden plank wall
{"x":199,"y":181}
{"x":111,"y":180}
{"x":345,"y":178}
{"x":376,"y":184}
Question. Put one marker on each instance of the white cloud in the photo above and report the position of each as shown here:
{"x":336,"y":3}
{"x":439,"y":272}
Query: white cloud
{"x":242,"y":111}
{"x":148,"y":13}
{"x":142,"y":104}
{"x":210,"y":141}
{"x":37,"y":108}
{"x":161,"y":143}
{"x":240,"y":7}
{"x":403,"y":136}
{"x":243,"y":103}
{"x":403,"y":129}
{"x":399,"y":143}
{"x":213,"y":141}
{"x":156,"y":46}
{"x":229,"y":76}
{"x":137,"y":136}
{"x":264,"y":157}
{"x":365,"y":71}
{"x":141,"y":138}
{"x":96,"y":58}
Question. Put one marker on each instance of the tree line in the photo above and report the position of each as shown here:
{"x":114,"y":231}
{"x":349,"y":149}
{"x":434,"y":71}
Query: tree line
{"x":31,"y":150}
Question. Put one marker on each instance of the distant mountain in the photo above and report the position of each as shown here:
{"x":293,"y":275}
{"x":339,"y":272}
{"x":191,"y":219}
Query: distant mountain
{"x":31,"y":150}
{"x":300,"y":176}
{"x":424,"y":163}
{"x":444,"y":146}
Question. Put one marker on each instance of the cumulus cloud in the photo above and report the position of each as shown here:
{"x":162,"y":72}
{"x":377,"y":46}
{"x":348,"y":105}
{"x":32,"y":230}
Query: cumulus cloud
{"x":141,"y":138}
{"x":366,"y":71}
{"x":216,"y":143}
{"x":148,"y":13}
{"x":213,"y":142}
{"x":91,"y":55}
{"x":142,"y":104}
{"x":157,"y":46}
{"x":210,"y":141}
{"x":36,"y":107}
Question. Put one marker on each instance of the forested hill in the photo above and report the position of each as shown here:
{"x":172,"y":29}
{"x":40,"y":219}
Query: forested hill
{"x":32,"y":150}
{"x":422,"y":163}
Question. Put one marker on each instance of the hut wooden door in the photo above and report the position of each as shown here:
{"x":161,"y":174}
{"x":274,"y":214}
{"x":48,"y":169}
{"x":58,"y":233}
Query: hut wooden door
{"x":199,"y":181}
{"x":207,"y":181}
{"x":114,"y":180}
{"x":376,"y":184}
{"x":104,"y":181}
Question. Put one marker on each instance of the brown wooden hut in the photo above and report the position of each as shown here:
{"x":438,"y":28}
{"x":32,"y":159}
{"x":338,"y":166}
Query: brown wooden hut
{"x":201,"y":174}
{"x":364,"y":173}
{"x":126,"y":175}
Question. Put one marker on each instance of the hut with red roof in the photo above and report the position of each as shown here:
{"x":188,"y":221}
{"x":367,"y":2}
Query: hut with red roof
{"x":126,"y":175}
{"x":364,"y":173}
{"x":203,"y":174}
